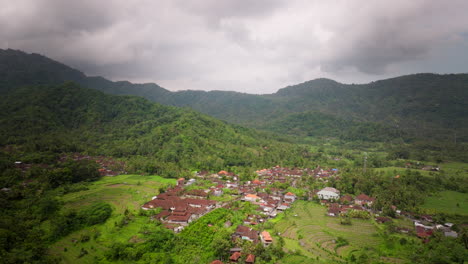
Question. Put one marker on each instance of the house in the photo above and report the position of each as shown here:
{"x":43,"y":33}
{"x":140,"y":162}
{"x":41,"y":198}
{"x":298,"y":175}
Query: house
{"x":257,"y":182}
{"x":217,"y":192}
{"x":333,"y":211}
{"x":232,"y":250}
{"x":235,"y":256}
{"x":196,"y":194}
{"x":427,"y":218}
{"x":290,"y":196}
{"x":347,"y":199}
{"x":217,"y":262}
{"x":190,"y":182}
{"x":253,"y":198}
{"x":266,"y":238}
{"x":363,"y":199}
{"x":329,"y":193}
{"x":180,"y":182}
{"x":223,"y":172}
{"x":182,"y":219}
{"x":250,"y":259}
{"x":451,"y":234}
{"x":246,"y":233}
{"x":232,"y":185}
{"x":421,"y":232}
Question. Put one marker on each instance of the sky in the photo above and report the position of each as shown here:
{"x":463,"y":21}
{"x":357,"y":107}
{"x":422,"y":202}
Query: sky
{"x":247,"y":46}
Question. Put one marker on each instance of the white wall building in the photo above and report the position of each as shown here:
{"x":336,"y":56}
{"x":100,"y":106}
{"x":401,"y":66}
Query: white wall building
{"x":328,"y":193}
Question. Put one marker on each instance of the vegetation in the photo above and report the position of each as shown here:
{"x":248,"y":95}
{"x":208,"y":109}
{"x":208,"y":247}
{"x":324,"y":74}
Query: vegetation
{"x":449,"y":202}
{"x":389,"y":110}
{"x":56,"y":208}
{"x":49,"y":120}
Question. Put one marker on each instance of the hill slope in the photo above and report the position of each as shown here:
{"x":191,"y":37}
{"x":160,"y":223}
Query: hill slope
{"x":158,"y":139}
{"x":415,"y":106}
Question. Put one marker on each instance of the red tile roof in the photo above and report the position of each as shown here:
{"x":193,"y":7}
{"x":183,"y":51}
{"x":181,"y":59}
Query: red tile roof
{"x":363,"y":197}
{"x":235,"y":256}
{"x":266,"y":236}
{"x":179,"y":218}
{"x":250,"y":259}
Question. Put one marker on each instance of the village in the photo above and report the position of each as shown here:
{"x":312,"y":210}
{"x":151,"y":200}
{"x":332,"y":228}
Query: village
{"x":184,"y":203}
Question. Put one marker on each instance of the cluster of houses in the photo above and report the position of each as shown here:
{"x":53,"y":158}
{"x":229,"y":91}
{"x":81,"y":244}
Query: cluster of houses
{"x":424,"y":227}
{"x":179,"y":207}
{"x":247,"y":233}
{"x":281,"y":174}
{"x":236,"y":257}
{"x":338,"y":205}
{"x":107,"y":165}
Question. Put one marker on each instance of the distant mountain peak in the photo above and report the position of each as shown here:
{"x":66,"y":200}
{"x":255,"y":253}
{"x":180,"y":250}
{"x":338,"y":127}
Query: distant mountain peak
{"x":305,"y":87}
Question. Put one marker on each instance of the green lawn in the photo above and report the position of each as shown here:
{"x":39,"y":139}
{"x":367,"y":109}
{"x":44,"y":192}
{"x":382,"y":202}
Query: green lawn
{"x":448,"y":202}
{"x":122,"y":192}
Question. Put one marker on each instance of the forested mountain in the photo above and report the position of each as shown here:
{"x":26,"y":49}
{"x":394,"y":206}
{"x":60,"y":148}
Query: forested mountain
{"x":155,"y":138}
{"x":408,"y":107}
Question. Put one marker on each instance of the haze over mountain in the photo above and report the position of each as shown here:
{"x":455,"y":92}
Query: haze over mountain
{"x":379,"y":110}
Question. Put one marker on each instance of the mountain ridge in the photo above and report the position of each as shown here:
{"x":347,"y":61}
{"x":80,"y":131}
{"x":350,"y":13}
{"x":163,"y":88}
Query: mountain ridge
{"x":435,"y":102}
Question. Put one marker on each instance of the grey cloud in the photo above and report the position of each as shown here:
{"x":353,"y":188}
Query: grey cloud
{"x":381,"y":36}
{"x":215,"y":10}
{"x":253,"y":46}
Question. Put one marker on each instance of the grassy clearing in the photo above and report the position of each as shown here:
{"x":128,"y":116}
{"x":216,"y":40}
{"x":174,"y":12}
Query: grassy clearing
{"x":449,"y":202}
{"x":455,"y":168}
{"x":122,"y":192}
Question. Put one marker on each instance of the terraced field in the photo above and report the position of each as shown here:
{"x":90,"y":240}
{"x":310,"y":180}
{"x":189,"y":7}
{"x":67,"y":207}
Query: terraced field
{"x":308,"y":230}
{"x":123,"y":192}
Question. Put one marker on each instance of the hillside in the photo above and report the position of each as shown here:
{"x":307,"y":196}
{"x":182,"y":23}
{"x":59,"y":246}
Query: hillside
{"x":420,"y":106}
{"x":160,"y":139}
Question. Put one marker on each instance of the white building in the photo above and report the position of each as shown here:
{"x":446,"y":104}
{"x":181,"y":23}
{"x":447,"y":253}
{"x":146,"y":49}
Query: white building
{"x":290,"y":196}
{"x":328,"y":193}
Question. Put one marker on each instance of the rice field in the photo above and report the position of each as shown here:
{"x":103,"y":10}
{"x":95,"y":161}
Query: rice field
{"x":123,"y":192}
{"x":308,"y":231}
{"x":449,"y":202}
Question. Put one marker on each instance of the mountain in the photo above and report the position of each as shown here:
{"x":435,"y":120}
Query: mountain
{"x":152,"y":137}
{"x":419,"y":106}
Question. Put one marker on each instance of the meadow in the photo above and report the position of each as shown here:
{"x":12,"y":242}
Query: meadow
{"x":449,"y":202}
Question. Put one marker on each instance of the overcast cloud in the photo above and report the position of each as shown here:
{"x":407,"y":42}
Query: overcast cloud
{"x":248,"y":46}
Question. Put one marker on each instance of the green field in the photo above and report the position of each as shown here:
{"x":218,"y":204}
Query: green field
{"x":122,"y":192}
{"x":310,"y":234}
{"x":455,"y":168}
{"x":449,"y":202}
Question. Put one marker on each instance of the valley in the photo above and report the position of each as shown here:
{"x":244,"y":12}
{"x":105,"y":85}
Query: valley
{"x":319,"y":172}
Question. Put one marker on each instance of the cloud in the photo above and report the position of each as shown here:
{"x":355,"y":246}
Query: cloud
{"x":381,"y":35}
{"x":250,"y":46}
